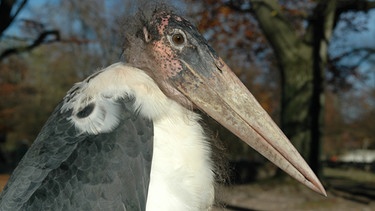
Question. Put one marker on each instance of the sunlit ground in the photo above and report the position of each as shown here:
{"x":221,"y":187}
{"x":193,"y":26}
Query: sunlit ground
{"x":347,"y":189}
{"x":289,"y":195}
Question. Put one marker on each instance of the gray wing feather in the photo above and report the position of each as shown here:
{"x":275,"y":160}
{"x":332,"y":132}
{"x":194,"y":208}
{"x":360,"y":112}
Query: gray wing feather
{"x":67,"y":170}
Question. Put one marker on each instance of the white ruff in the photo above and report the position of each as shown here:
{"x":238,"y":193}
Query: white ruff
{"x":181,"y":174}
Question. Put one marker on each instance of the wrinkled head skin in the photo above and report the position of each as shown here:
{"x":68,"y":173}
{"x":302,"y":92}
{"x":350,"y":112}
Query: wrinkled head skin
{"x":172,"y":51}
{"x":164,"y":45}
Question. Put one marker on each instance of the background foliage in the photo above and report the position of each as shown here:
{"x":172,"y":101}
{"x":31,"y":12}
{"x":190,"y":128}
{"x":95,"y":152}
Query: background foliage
{"x":47,"y":46}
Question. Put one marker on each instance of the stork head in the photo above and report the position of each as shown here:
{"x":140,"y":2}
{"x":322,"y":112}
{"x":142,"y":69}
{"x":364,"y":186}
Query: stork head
{"x":165,"y":44}
{"x":172,"y":51}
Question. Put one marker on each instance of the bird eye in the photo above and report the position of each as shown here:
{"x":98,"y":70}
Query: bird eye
{"x":178,"y":39}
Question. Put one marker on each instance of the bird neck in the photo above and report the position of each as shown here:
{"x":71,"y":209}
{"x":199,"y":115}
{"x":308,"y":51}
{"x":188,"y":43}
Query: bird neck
{"x":182,"y":175}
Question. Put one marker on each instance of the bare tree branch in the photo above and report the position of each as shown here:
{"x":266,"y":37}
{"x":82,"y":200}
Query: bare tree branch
{"x":354,"y":5}
{"x":43,"y":38}
{"x":238,"y":5}
{"x":277,"y":29}
{"x":6,"y":17}
{"x":369,"y":52}
{"x":338,"y":72}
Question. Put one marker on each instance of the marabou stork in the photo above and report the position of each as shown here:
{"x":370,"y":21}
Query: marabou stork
{"x":127,"y":138}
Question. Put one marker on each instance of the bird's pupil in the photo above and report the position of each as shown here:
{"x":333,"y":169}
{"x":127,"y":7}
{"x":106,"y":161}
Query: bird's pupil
{"x":178,"y":39}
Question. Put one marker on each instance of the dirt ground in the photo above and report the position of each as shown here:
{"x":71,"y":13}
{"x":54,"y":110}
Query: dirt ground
{"x":286,"y":197}
{"x":273,"y":195}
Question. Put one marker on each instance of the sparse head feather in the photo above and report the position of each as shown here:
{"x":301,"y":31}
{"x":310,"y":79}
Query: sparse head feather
{"x":137,"y":26}
{"x":133,"y":24}
{"x":152,"y":39}
{"x":142,"y":49}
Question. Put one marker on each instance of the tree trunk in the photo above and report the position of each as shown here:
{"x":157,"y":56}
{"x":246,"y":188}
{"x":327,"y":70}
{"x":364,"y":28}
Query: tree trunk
{"x":321,"y":24}
{"x":301,"y":64}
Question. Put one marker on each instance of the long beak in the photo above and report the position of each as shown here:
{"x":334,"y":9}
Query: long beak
{"x":220,"y":94}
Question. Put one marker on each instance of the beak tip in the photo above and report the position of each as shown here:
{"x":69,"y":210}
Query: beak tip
{"x":322,"y":191}
{"x":224,"y":97}
{"x":316,"y":186}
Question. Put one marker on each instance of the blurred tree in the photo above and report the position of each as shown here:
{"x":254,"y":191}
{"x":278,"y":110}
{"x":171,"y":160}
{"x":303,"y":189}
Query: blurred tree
{"x":299,"y":33}
{"x":9,"y":79}
{"x":235,"y":36}
{"x":302,"y":61}
{"x":11,"y":91}
{"x":9,"y":10}
{"x":45,"y":47}
{"x":14,"y":92}
{"x":351,"y":131}
{"x":82,"y":36}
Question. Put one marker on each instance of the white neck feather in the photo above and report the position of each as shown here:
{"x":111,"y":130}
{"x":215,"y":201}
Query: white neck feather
{"x":181,"y":174}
